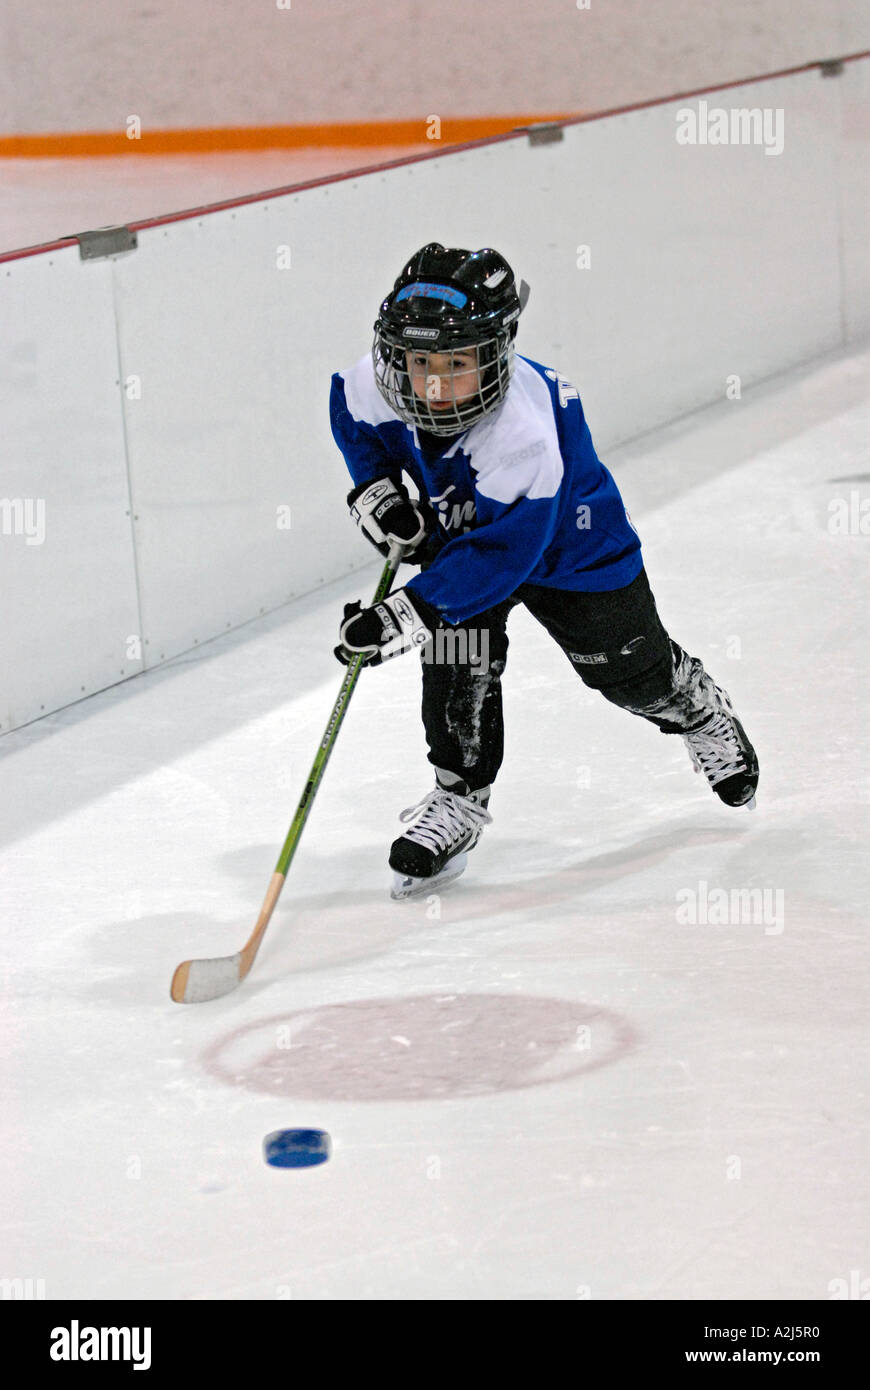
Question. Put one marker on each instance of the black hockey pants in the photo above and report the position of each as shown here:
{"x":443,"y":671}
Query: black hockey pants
{"x":615,"y":642}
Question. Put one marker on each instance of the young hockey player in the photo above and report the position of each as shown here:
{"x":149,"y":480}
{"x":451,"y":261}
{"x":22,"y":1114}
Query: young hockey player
{"x":513,"y":506}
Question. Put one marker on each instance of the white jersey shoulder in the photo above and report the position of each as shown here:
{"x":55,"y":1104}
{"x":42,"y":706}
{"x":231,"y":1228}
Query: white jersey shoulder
{"x":515,"y":452}
{"x":364,"y":400}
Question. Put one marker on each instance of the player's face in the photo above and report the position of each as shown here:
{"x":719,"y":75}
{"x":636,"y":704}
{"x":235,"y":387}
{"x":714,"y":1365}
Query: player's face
{"x":444,"y":379}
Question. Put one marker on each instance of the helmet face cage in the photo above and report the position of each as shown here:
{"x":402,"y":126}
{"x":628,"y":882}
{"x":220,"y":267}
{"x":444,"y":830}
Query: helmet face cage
{"x":442,"y":390}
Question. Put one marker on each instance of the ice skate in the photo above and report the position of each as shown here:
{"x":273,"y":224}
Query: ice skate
{"x":720,"y":749}
{"x":449,"y":822}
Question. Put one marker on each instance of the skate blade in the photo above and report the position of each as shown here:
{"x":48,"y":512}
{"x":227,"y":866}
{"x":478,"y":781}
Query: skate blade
{"x":750,"y":804}
{"x":404,"y":886}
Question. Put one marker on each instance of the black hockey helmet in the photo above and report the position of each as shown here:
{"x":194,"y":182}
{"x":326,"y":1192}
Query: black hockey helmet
{"x":444,"y":301}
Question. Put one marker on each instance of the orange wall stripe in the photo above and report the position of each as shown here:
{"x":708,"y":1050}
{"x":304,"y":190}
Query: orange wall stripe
{"x":454,"y":130}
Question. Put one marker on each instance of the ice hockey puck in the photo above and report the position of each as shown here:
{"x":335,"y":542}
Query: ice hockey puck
{"x":297,"y":1148}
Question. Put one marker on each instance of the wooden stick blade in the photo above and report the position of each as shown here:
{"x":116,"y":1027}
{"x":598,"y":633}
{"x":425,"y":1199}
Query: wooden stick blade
{"x":196,"y":981}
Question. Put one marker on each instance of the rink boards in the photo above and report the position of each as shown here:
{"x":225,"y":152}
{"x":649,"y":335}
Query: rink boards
{"x":168,"y":469}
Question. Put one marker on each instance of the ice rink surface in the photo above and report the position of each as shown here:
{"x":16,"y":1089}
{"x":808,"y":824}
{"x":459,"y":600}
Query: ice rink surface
{"x":545,"y":1083}
{"x":44,"y":200}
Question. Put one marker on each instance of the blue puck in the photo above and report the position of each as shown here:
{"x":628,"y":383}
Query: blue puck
{"x":297,"y":1148}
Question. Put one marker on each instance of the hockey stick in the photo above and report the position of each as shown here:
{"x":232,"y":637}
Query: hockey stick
{"x":195,"y":981}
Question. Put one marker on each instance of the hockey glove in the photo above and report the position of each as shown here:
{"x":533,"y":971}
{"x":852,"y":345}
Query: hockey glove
{"x":387,"y":629}
{"x":386,"y":516}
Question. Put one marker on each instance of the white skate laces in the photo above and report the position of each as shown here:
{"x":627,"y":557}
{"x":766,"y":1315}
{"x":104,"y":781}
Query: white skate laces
{"x":715,"y":749}
{"x":446,"y":819}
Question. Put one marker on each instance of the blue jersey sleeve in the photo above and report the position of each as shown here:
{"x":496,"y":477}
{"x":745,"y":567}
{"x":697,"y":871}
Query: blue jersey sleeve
{"x":481,"y":568}
{"x":365,"y":453}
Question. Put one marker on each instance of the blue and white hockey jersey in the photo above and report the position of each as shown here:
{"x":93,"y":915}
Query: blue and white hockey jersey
{"x":521,"y":496}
